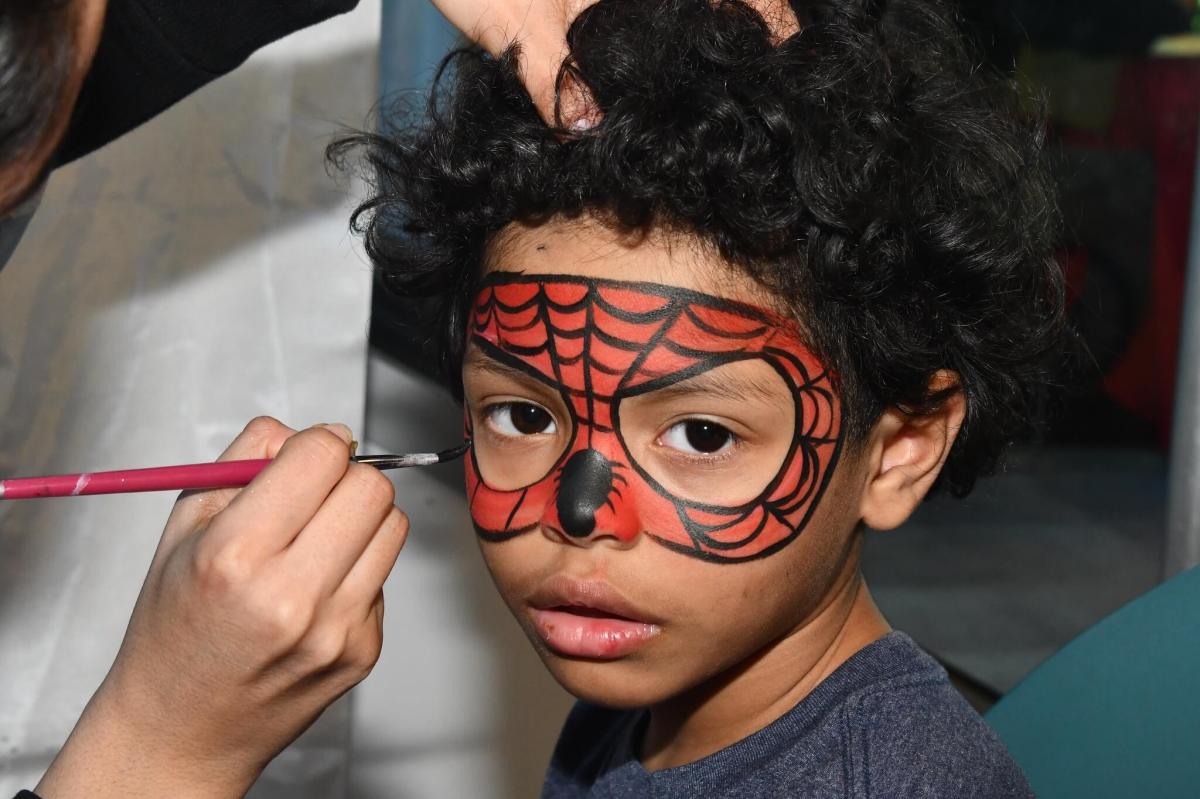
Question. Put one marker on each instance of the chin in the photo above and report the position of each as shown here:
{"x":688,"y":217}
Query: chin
{"x":614,"y":684}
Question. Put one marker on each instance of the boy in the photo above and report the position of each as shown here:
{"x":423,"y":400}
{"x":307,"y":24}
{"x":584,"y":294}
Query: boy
{"x":755,"y":294}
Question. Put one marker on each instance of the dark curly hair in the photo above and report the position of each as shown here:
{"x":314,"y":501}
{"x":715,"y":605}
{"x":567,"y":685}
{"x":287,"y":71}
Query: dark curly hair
{"x":866,"y":170}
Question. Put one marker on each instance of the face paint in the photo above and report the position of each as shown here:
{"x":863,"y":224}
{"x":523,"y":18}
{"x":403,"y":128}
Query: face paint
{"x":598,"y":342}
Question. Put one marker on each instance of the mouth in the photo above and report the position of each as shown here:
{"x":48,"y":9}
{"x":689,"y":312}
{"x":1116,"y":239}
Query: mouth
{"x":590,"y":613}
{"x":589,"y":619}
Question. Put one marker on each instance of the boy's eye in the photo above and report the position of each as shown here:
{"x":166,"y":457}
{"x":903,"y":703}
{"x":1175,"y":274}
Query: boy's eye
{"x":520,"y":419}
{"x":698,"y":437}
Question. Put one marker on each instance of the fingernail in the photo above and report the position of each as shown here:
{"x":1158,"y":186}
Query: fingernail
{"x":340,"y":430}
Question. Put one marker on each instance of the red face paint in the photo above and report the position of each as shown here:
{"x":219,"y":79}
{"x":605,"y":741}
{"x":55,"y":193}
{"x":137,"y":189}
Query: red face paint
{"x":596,"y":342}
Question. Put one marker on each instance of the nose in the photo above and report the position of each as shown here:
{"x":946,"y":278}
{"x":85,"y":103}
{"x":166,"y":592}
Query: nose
{"x":583,"y":488}
{"x":587,"y":485}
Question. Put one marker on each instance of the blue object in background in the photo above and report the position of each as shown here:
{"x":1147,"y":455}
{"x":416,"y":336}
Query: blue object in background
{"x":413,"y":40}
{"x":1115,"y":713}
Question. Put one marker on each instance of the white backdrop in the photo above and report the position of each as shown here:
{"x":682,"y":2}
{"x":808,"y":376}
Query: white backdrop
{"x":184,"y":279}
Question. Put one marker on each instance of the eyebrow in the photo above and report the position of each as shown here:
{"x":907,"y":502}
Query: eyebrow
{"x":478,"y":360}
{"x":706,"y":383}
{"x":712,"y":385}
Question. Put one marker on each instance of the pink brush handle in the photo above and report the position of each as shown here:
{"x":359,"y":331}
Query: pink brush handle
{"x":227,"y":474}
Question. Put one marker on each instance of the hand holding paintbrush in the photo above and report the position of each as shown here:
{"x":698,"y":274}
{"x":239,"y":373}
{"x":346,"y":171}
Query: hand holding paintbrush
{"x":262,"y":605}
{"x":194,"y":476}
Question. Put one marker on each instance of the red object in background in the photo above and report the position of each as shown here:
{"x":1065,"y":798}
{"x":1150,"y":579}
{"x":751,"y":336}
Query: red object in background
{"x":1158,"y":111}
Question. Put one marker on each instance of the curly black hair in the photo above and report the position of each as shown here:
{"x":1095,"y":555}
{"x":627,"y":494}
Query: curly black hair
{"x":867,"y":170}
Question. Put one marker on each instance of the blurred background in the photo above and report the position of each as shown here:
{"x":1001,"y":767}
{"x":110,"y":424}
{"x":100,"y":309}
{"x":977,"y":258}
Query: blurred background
{"x":1074,"y":527}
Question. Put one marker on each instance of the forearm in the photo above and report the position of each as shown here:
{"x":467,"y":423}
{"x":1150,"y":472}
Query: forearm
{"x":154,"y":53}
{"x":111,"y":753}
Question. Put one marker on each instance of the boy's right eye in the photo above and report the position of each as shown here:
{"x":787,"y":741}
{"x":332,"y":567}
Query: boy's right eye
{"x":520,"y":419}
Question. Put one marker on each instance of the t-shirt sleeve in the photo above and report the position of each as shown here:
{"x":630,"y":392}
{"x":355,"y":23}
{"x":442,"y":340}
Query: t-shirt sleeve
{"x":926,"y":741}
{"x":153,"y":53}
{"x":27,"y":795}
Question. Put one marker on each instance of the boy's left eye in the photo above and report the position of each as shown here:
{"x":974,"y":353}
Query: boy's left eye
{"x":698,"y":437}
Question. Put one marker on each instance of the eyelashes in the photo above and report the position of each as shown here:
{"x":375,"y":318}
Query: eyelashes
{"x":696,"y":439}
{"x":515,"y":419}
{"x":699,"y":438}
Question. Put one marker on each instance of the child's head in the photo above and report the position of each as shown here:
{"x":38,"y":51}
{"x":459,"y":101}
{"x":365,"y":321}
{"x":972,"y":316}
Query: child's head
{"x":776,"y":291}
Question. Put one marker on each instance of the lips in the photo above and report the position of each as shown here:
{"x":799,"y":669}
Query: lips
{"x":589,"y":619}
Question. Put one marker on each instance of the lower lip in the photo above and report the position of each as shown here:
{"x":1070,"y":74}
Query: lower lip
{"x":601,"y":638}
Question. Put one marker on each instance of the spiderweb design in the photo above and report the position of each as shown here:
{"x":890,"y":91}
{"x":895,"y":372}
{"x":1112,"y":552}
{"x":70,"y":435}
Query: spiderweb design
{"x":597,"y":342}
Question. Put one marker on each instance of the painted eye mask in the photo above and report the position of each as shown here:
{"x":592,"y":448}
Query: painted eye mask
{"x":598,"y":343}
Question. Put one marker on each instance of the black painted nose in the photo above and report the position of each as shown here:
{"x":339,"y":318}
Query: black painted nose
{"x":583,"y":488}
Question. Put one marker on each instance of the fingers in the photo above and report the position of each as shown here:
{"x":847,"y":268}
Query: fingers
{"x":230,"y":638}
{"x":342,"y":634}
{"x":270,"y":512}
{"x":333,"y":541}
{"x":362,"y":587}
{"x":539,"y":26}
{"x":779,"y":16}
{"x":261,"y":438}
{"x":542,"y":35}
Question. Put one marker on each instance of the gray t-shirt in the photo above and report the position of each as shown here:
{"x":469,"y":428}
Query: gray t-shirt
{"x":886,"y":724}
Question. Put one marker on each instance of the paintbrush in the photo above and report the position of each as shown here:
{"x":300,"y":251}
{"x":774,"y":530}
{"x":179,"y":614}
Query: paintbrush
{"x":190,"y":477}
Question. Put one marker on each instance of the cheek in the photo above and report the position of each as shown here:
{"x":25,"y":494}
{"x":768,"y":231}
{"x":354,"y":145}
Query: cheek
{"x":503,"y":515}
{"x":732,"y":609}
{"x":658,"y":515}
{"x":509,"y":568}
{"x":744,"y":605}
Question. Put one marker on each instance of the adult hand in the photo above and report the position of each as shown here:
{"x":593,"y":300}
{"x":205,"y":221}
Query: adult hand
{"x":539,"y":26}
{"x":262,"y":606}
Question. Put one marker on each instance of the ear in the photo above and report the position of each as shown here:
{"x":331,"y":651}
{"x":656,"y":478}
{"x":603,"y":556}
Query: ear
{"x":906,"y":453}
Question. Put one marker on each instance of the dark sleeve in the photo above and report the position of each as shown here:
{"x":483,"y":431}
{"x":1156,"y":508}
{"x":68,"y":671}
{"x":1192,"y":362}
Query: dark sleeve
{"x":153,"y":53}
{"x":923,"y":740}
{"x":27,"y":795}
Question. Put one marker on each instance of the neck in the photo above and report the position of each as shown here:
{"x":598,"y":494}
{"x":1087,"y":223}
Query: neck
{"x":736,"y":704}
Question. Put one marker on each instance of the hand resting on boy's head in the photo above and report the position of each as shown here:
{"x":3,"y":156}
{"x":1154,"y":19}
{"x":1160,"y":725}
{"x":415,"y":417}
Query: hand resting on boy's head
{"x":538,"y":26}
{"x":261,"y":607}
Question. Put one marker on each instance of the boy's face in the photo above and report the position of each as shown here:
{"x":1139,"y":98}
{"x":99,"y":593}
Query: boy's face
{"x":653,"y":473}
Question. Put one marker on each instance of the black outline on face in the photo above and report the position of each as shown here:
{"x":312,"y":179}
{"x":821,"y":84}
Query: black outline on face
{"x":678,"y":302}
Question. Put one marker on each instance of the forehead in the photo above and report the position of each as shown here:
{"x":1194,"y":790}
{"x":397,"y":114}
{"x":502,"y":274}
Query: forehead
{"x":575,"y":302}
{"x":589,"y":248}
{"x":604,"y":338}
